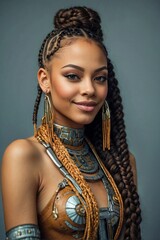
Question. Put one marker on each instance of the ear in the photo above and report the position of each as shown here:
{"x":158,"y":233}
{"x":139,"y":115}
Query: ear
{"x":44,"y":80}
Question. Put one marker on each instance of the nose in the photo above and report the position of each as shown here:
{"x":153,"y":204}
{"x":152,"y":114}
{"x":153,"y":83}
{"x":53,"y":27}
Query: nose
{"x":87,"y":87}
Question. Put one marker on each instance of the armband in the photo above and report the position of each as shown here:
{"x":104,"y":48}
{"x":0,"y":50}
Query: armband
{"x":26,"y":232}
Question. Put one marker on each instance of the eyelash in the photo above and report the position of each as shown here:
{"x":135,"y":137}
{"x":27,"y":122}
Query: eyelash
{"x":75,"y":77}
{"x":101,"y":79}
{"x":72,"y":76}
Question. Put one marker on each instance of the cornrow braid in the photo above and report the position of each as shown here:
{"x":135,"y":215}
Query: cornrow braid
{"x":41,"y":64}
{"x":117,"y":159}
{"x":53,"y":41}
{"x":51,"y":45}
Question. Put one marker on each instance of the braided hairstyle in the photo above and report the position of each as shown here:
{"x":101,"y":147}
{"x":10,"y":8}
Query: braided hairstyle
{"x":69,"y":23}
{"x":84,"y":22}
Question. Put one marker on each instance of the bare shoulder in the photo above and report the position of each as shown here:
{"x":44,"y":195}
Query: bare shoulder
{"x":20,"y":175}
{"x":20,"y":158}
{"x":133,"y":166}
{"x":20,"y":151}
{"x":19,"y":147}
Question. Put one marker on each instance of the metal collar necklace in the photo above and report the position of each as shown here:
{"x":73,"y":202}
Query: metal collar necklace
{"x":80,"y":152}
{"x":69,"y":136}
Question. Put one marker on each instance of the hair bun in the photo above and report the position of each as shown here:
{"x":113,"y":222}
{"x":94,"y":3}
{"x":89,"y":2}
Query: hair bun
{"x":80,"y":17}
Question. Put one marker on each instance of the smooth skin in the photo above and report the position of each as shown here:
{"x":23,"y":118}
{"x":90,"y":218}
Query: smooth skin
{"x":29,"y":178}
{"x":77,"y":77}
{"x":76,"y":81}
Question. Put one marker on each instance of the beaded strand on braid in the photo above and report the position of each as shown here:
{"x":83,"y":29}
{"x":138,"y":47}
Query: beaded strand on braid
{"x":92,"y":213}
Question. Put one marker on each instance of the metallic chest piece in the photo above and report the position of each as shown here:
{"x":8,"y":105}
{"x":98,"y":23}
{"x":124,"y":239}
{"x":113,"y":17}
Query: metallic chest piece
{"x":75,"y":210}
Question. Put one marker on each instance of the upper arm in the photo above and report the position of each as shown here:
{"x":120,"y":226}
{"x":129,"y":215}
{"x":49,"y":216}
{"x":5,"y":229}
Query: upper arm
{"x":19,"y":185}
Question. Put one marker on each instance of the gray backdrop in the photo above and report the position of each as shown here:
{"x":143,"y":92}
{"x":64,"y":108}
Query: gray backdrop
{"x":132,"y":36}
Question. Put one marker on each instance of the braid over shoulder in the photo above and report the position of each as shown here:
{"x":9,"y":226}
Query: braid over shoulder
{"x":83,"y":22}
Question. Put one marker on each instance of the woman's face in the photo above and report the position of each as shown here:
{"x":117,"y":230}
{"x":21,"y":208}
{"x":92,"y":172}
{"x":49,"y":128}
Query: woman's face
{"x":77,"y":81}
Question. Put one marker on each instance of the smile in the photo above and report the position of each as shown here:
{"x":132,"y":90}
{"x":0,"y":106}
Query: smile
{"x":86,"y":106}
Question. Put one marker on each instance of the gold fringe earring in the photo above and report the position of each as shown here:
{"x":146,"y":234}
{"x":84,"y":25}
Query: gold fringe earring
{"x":48,"y":117}
{"x":106,"y":126}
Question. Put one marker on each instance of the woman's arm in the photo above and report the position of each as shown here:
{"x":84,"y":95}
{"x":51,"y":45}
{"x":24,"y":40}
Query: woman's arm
{"x":19,"y":184}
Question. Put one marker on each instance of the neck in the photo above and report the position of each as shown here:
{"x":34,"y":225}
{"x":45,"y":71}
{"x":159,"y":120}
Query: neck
{"x":69,"y":136}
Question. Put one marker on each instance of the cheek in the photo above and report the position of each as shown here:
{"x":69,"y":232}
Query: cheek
{"x":63,"y":90}
{"x":104,"y":92}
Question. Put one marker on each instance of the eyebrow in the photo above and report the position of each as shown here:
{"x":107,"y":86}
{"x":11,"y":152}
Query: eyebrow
{"x":82,"y":69}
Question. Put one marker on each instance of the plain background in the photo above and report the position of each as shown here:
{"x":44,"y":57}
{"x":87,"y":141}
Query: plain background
{"x":132,"y":36}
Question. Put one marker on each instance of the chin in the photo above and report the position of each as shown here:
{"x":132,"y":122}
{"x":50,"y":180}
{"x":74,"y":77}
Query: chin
{"x":86,"y":121}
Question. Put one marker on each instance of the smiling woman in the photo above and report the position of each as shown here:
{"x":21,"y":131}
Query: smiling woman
{"x":77,"y":88}
{"x":76,"y":170}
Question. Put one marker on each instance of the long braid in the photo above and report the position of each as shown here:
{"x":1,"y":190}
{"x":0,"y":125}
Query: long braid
{"x":131,"y":202}
{"x":50,"y":45}
{"x":117,"y":159}
{"x":39,"y":90}
{"x":83,"y":22}
{"x":36,"y":107}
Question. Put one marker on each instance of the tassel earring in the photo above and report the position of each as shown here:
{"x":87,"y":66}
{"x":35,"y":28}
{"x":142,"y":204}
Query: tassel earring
{"x":48,"y":117}
{"x":106,"y":126}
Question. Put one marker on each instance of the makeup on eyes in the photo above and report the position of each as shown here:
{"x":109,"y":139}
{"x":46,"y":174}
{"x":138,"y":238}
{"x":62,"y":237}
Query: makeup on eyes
{"x":74,"y":72}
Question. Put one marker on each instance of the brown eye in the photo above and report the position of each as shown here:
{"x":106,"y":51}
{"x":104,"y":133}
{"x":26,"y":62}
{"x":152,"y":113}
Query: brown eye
{"x":101,"y":79}
{"x":72,"y":76}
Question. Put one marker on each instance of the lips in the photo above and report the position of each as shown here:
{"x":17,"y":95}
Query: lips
{"x":87,"y":106}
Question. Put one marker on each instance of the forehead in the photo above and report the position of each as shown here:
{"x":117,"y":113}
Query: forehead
{"x":80,"y":51}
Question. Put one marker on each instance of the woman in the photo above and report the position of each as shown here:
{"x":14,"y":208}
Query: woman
{"x":74,"y":178}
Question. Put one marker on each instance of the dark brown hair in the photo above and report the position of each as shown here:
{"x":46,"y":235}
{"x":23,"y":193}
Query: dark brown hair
{"x":85,"y":22}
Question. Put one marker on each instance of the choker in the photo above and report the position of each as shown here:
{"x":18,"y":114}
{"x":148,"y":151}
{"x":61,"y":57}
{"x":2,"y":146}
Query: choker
{"x":79,"y":151}
{"x":69,"y":136}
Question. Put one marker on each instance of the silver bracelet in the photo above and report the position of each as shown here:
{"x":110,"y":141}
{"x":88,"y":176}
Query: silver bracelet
{"x":26,"y":232}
